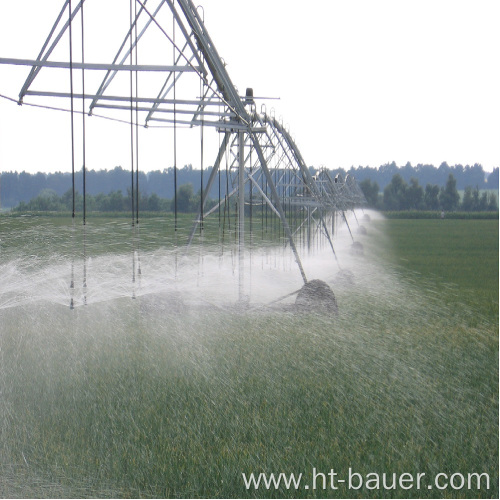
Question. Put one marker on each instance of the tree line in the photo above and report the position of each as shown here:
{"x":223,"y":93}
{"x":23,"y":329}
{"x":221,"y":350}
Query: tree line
{"x":468,"y":175}
{"x":116,"y":201}
{"x":22,"y":187}
{"x":400,"y":195}
{"x":397,"y":195}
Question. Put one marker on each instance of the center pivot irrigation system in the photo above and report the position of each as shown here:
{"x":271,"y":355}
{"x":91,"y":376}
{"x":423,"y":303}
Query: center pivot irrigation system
{"x":191,"y":88}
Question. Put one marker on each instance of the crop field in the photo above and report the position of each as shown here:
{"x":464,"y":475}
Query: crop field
{"x":462,"y":253}
{"x":170,"y":397}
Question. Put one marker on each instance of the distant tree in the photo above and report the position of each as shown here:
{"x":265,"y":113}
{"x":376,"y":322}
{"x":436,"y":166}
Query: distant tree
{"x":475,"y":199}
{"x":184,"y":198}
{"x":483,"y":202}
{"x":407,"y":172}
{"x":414,"y":195}
{"x":492,"y":203}
{"x":431,"y":197}
{"x":395,"y":194}
{"x":115,"y":201}
{"x":153,"y":203}
{"x":46,"y":201}
{"x":67,"y":199}
{"x":196,"y":203}
{"x":448,"y":196}
{"x":468,"y":200}
{"x":24,"y":186}
{"x":492,"y":180}
{"x":386,"y":172}
{"x":473,"y":175}
{"x":426,"y":174}
{"x":360,"y":173}
{"x":443,"y":173}
{"x":47,"y":193}
{"x":370,"y":190}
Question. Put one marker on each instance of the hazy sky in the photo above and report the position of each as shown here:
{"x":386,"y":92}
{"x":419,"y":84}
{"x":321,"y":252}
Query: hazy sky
{"x":359,"y":82}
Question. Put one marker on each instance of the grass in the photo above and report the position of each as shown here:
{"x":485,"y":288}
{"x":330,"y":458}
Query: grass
{"x":436,"y":214}
{"x":122,"y":399}
{"x":104,"y":233}
{"x":459,"y":252}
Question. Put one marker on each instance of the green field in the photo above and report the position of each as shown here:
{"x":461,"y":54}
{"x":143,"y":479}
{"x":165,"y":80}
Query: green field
{"x":127,"y":398}
{"x":463,"y":253}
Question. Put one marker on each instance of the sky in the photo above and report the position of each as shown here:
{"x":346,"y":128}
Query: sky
{"x":357,"y":82}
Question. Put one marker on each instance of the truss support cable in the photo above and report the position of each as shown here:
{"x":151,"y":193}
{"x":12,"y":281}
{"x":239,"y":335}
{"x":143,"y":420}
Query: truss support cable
{"x":131,"y":119}
{"x":202,"y":93}
{"x":84,"y":265}
{"x":262,"y":209}
{"x":251,"y":200}
{"x":219,"y":188}
{"x":136,"y":121}
{"x":84,"y":167}
{"x":72,"y":282}
{"x":72,"y":111}
{"x":267,"y":207}
{"x":175,"y":135}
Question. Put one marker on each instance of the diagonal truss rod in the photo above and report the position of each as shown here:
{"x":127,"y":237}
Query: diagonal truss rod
{"x":213,"y":60}
{"x":165,"y":90}
{"x":217,"y":92}
{"x":112,"y":73}
{"x":151,"y":19}
{"x":36,"y":69}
